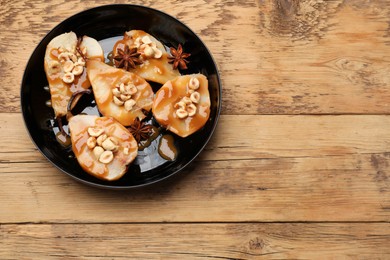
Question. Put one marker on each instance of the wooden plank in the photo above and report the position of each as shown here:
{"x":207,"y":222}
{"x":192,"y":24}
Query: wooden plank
{"x":334,"y":188}
{"x":249,"y":137}
{"x":196,"y":241}
{"x":275,"y":57}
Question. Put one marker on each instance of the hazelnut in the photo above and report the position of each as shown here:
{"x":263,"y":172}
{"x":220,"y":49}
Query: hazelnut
{"x":149,"y":52}
{"x":54,"y":67}
{"x":194,"y":83}
{"x":80,"y":61}
{"x":129,"y":104}
{"x":146,"y":40}
{"x":125,"y":97}
{"x":116,"y":92}
{"x":191,"y":109}
{"x":68,"y":66}
{"x":131,"y":89}
{"x":101,"y":139}
{"x":186,"y":100}
{"x":73,"y":57}
{"x":91,"y":142}
{"x":137,"y":42}
{"x":109,"y":144}
{"x":106,"y":157}
{"x":97,"y":151}
{"x":126,"y":151}
{"x":117,"y":101}
{"x":122,"y":88}
{"x":157,"y":53}
{"x":68,"y":78}
{"x":95,"y":131}
{"x":181,"y":113}
{"x":78,"y":70}
{"x":64,"y":56}
{"x":180,"y":104}
{"x":195,"y":97}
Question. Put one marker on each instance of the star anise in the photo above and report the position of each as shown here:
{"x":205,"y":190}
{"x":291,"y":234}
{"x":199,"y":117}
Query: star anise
{"x":178,"y":58}
{"x":127,"y":58}
{"x":140,"y":130}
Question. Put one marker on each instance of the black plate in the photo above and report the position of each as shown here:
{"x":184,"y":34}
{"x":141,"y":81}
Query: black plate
{"x":106,"y":24}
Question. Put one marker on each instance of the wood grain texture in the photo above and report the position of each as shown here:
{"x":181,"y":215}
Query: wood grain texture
{"x":275,"y":56}
{"x":345,"y":188}
{"x":196,"y":241}
{"x":297,"y":168}
{"x":251,"y":137}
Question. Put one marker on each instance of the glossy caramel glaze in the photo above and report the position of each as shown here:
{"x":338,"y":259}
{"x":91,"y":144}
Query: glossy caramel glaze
{"x":60,"y":91}
{"x":167,"y":148}
{"x":171,"y":93}
{"x":156,"y":70}
{"x":79,"y":125}
{"x":104,"y":78}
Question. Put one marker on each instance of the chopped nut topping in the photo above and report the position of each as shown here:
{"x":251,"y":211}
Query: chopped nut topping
{"x":97,"y":151}
{"x":191,"y":109}
{"x":146,"y":39}
{"x":54,"y":67}
{"x":116,"y":92}
{"x":186,"y":100}
{"x":118,"y":101}
{"x":194,"y":83}
{"x":147,"y":47}
{"x":91,"y":142}
{"x":80,"y":61}
{"x":109,"y":144}
{"x":129,"y":104}
{"x":195,"y":97}
{"x":63,"y":57}
{"x":73,"y":57}
{"x":106,"y":157}
{"x":130,"y":89}
{"x":123,"y":94}
{"x":72,"y":63}
{"x":68,"y":78}
{"x":68,"y":66}
{"x":157,"y":53}
{"x":125,"y":97}
{"x":149,"y":52}
{"x":181,"y":113}
{"x":102,"y":146}
{"x":101,"y":139}
{"x":188,"y":103}
{"x":95,"y":132}
{"x":77,"y":70}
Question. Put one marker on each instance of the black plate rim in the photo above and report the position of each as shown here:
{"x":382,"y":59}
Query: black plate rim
{"x":108,"y":186}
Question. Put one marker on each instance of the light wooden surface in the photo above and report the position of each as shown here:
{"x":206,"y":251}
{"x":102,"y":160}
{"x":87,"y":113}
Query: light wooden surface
{"x":299,"y":166}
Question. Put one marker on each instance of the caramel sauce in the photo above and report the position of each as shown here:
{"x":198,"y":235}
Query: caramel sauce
{"x":110,"y":58}
{"x":167,"y":148}
{"x":157,"y":70}
{"x":61,"y":91}
{"x":80,"y":82}
{"x":54,"y":54}
{"x":64,"y":140}
{"x":171,"y":93}
{"x":85,"y":156}
{"x":105,"y":78}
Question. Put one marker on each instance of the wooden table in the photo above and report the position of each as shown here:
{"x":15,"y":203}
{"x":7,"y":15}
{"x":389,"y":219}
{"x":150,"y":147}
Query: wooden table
{"x":299,"y":166}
